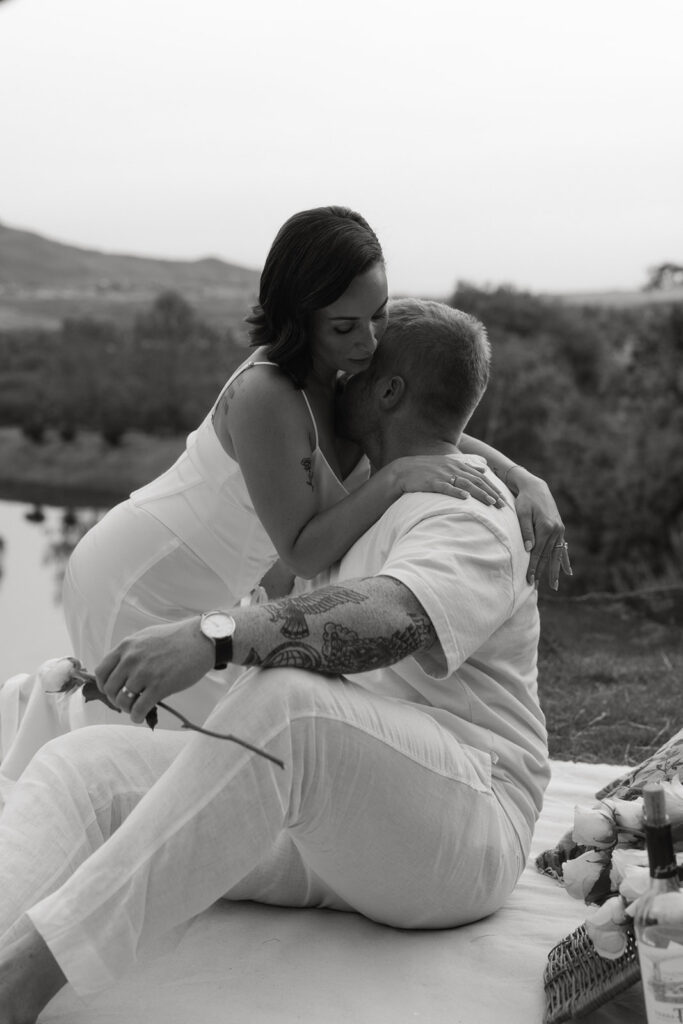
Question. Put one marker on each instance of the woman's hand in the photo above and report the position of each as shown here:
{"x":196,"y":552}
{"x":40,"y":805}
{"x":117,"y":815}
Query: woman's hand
{"x":445,"y":474}
{"x":278,"y":581}
{"x":541,"y":525}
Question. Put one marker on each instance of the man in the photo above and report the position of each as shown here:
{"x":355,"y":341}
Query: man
{"x":401,"y":699}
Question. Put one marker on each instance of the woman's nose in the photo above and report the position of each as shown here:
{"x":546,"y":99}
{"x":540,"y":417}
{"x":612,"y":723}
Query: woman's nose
{"x":372,"y":337}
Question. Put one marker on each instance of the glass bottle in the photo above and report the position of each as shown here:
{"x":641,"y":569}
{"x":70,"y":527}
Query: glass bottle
{"x":658,"y":921}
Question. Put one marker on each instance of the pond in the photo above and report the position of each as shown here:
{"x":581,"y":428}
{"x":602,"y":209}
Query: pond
{"x":35,"y":544}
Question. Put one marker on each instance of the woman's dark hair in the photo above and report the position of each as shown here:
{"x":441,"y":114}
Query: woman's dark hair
{"x":313,"y":260}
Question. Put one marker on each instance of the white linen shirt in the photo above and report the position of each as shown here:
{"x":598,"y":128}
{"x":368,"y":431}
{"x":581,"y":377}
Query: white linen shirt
{"x":465,"y":563}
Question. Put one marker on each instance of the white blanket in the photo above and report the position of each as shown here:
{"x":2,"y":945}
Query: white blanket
{"x":241,"y":963}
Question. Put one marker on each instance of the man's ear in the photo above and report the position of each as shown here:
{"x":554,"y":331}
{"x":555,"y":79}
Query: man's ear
{"x":391,"y":391}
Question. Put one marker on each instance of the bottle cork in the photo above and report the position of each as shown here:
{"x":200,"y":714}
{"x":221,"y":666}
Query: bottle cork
{"x":654,"y":803}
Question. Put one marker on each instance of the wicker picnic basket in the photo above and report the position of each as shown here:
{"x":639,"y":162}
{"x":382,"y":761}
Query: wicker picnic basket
{"x":578,"y":980}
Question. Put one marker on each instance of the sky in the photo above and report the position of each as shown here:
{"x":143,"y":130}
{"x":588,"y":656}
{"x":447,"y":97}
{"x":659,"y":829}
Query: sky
{"x":525,"y":142}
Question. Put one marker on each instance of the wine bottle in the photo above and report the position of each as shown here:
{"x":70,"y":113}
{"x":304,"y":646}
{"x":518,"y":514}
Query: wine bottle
{"x":658,"y":921}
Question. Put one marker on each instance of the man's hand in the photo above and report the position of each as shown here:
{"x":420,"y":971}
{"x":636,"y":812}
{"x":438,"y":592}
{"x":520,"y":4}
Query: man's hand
{"x":152,"y":664}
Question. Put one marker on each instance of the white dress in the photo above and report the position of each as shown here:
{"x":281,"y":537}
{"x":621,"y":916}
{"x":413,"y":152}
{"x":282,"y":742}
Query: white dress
{"x":187,"y":542}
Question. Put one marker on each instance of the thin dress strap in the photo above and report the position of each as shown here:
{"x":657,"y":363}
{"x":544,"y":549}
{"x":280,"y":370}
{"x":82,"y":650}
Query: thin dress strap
{"x":233,"y":377}
{"x":315,"y":425}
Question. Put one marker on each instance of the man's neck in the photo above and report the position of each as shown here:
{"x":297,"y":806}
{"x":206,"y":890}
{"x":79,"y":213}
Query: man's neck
{"x":389,"y":448}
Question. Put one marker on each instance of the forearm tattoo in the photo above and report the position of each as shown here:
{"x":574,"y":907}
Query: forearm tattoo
{"x":292,"y":612}
{"x":339,"y":649}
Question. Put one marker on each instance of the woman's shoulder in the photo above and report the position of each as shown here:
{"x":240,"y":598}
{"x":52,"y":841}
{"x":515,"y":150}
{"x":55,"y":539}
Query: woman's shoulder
{"x":258,"y":376}
{"x":260,"y":393}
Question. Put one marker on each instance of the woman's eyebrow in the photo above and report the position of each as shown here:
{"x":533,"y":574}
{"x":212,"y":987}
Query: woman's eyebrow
{"x":378,"y":310}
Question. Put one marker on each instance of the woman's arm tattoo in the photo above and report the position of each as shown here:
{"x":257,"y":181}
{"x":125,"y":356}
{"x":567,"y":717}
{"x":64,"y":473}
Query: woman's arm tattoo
{"x":307,"y":463}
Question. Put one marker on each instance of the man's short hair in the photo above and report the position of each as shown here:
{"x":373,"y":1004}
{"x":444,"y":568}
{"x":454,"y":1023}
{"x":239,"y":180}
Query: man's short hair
{"x":443,"y":356}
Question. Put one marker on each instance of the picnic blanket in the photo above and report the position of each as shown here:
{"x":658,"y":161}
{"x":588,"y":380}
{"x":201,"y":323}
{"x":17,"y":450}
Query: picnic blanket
{"x":242,"y":963}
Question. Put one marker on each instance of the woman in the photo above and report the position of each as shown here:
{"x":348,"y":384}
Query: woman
{"x":265,"y":474}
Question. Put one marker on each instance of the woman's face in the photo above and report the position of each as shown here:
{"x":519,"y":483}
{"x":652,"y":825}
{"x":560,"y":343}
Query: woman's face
{"x":344,"y":335}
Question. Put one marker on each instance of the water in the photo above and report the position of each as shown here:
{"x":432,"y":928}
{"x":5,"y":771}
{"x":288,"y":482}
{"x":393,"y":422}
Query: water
{"x":36,"y":542}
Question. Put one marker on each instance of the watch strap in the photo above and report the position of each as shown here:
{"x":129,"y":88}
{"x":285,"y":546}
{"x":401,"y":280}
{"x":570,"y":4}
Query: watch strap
{"x":223,"y":652}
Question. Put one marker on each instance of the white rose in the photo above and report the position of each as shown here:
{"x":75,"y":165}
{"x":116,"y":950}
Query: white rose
{"x":594,"y":826}
{"x":581,"y":873}
{"x":624,"y":859}
{"x":607,"y":928}
{"x":635,"y":882}
{"x":54,"y":673}
{"x":628,"y":814}
{"x":630,"y":872}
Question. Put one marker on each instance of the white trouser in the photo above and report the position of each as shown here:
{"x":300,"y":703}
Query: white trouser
{"x":378,"y":810}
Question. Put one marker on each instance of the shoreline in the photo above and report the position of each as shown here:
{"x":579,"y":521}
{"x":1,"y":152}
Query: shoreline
{"x":85,"y":471}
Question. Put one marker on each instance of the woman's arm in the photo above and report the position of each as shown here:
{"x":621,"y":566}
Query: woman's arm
{"x":539,"y":517}
{"x":268,"y":429}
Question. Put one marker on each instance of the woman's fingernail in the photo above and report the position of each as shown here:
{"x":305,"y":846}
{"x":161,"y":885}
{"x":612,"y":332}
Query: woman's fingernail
{"x":531,"y":578}
{"x":528,"y":544}
{"x":555,"y":584}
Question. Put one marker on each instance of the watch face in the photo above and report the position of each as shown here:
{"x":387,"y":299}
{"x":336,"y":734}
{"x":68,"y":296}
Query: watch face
{"x":217,"y":625}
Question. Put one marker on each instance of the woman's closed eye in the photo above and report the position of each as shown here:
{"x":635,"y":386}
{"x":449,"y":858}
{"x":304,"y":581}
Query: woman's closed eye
{"x":377,"y":318}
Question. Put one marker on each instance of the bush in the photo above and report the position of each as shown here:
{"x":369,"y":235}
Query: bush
{"x":592,"y":400}
{"x":34,"y":428}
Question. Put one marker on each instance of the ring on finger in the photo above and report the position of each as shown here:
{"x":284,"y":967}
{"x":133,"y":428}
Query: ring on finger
{"x":129,"y":693}
{"x":562,"y":545}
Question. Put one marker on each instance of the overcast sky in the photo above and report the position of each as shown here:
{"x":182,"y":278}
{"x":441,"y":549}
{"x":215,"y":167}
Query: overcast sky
{"x":525,"y":141}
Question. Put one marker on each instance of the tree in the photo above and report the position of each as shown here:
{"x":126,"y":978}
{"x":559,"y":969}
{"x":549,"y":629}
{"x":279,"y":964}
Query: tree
{"x":181,"y":363}
{"x":664,"y":277}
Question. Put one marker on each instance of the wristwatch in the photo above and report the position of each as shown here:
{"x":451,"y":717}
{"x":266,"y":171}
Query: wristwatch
{"x":219,"y":627}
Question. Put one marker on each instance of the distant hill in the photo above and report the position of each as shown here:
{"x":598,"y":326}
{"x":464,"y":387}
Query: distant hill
{"x":43,"y":281}
{"x":620,"y":299}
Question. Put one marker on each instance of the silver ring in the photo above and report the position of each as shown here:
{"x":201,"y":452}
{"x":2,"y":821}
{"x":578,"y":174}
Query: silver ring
{"x":129,"y":693}
{"x":453,"y":479}
{"x":562,"y":545}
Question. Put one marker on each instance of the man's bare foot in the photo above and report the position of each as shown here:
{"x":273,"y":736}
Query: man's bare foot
{"x":29,"y":976}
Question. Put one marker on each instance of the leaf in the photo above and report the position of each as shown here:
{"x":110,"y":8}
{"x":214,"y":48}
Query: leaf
{"x":91,"y":692}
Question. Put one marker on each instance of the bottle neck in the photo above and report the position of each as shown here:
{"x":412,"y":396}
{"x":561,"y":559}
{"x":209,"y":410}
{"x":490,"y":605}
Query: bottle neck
{"x":661,"y":857}
{"x":662,"y":885}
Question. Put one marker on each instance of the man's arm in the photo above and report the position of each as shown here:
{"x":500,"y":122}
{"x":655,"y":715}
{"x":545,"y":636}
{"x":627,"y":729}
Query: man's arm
{"x":355,"y":627}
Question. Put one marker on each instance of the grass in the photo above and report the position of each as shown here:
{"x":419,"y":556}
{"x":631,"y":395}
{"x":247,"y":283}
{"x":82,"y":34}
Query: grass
{"x":610,"y":670}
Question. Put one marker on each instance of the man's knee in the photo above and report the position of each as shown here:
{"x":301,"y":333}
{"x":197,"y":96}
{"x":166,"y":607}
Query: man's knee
{"x":289,"y":684}
{"x":282,"y":694}
{"x":78,"y":750}
{"x":281,"y":684}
